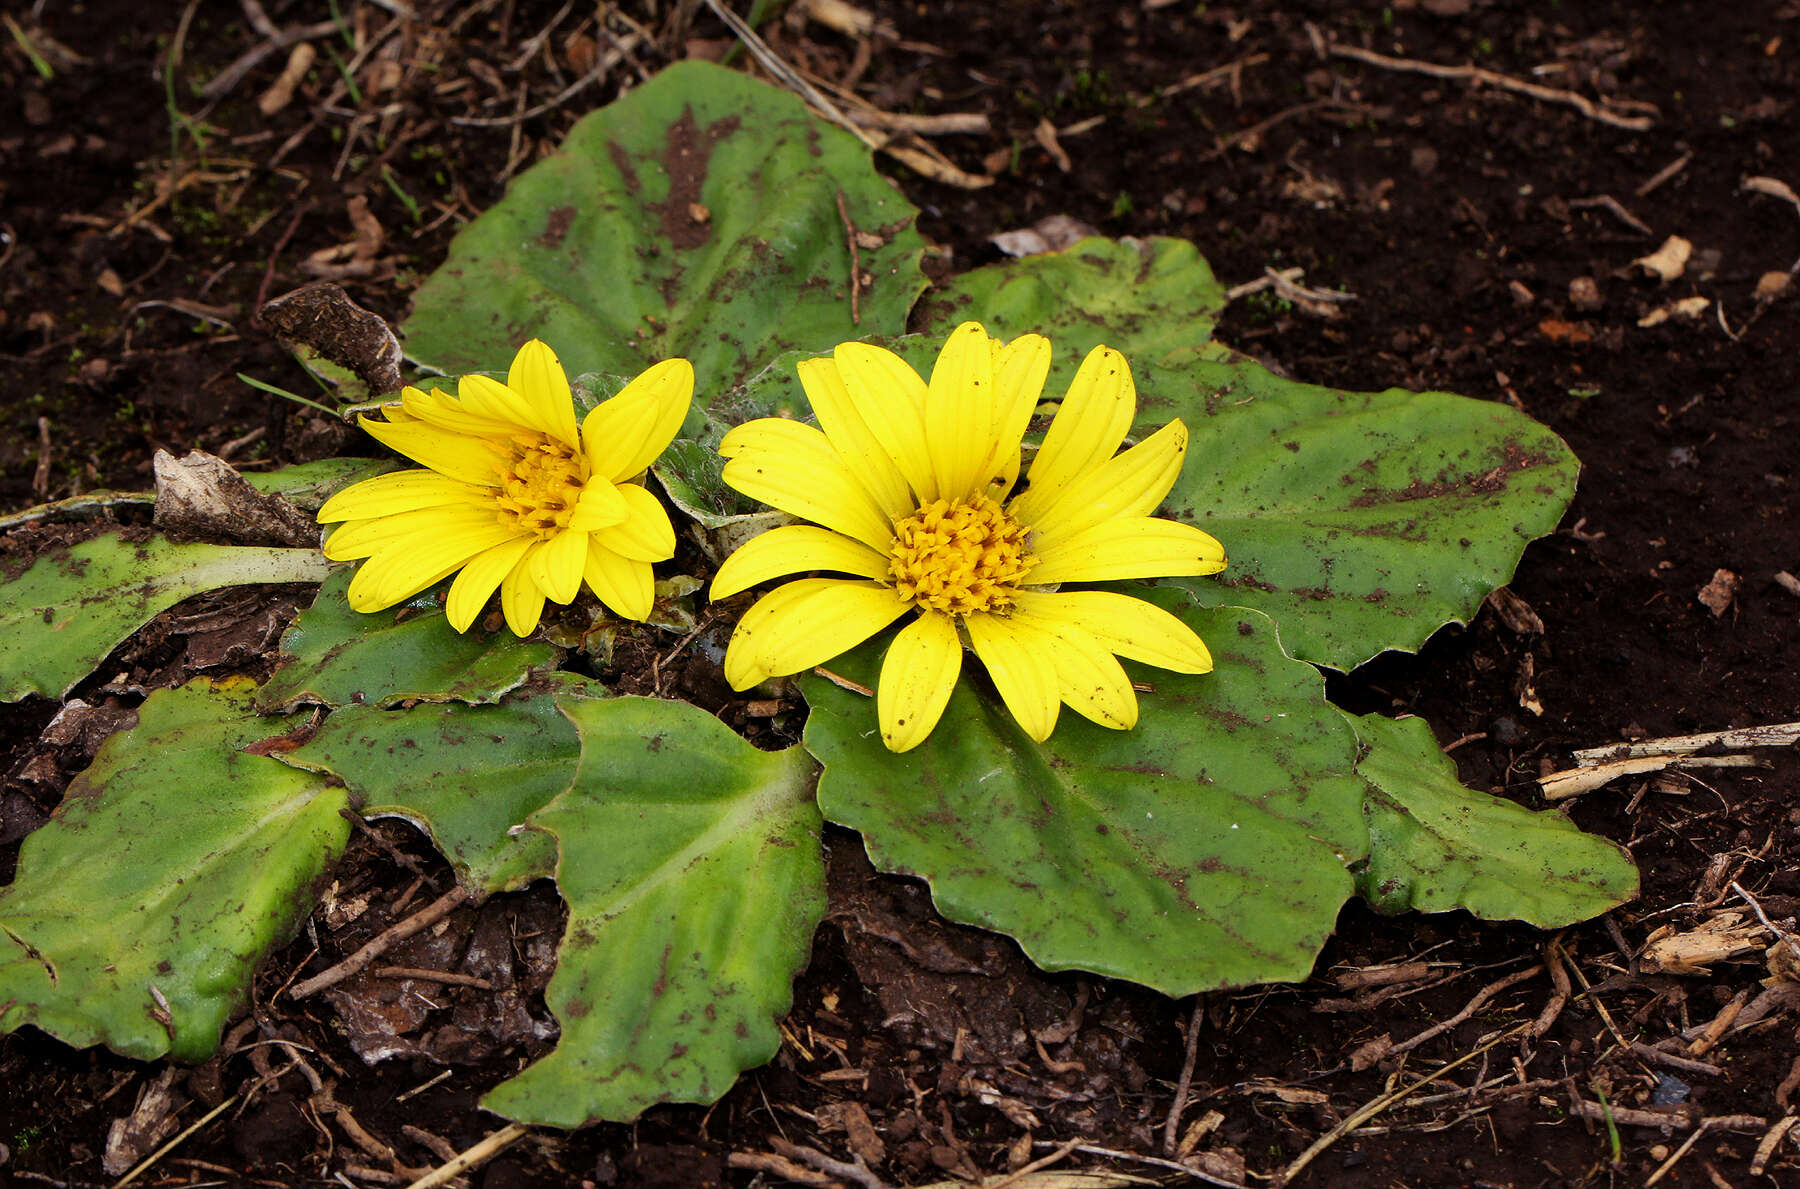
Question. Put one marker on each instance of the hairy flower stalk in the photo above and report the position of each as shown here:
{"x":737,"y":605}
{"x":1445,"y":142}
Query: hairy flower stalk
{"x":912,"y":488}
{"x":515,"y":496}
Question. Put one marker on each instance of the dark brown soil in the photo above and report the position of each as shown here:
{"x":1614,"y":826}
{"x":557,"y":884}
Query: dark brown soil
{"x":1465,"y":221}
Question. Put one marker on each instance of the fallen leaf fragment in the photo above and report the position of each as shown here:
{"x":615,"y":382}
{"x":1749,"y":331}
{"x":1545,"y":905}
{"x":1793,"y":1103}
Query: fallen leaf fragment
{"x":1687,"y":307}
{"x":1668,"y":261}
{"x":1559,"y":331}
{"x":1717,"y":594}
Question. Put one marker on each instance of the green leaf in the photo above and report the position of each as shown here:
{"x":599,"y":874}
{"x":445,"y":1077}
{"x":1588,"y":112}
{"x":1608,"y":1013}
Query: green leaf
{"x":691,"y":865}
{"x":172,"y":865}
{"x":465,"y":774}
{"x":339,"y":656}
{"x":62,"y":616}
{"x":1144,"y":297}
{"x":309,"y":484}
{"x":1435,"y":845}
{"x":697,"y":216}
{"x":1361,"y":521}
{"x":1205,"y":848}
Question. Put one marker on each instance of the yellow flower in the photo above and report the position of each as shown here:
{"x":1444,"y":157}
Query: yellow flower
{"x":516,"y":496}
{"x":913,"y":485}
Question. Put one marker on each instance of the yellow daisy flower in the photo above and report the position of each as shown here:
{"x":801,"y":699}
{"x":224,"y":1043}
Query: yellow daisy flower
{"x":910,"y":488}
{"x":516,"y":497}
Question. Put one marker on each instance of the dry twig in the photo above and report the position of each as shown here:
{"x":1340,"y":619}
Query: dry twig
{"x":386,"y":940}
{"x":1476,"y":74}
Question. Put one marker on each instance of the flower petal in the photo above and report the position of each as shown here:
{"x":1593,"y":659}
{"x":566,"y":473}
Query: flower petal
{"x":1019,"y":372}
{"x":851,"y":437}
{"x":1141,"y":547}
{"x":625,"y":585}
{"x":402,"y":568}
{"x":624,"y":435}
{"x":645,"y":534}
{"x":917,"y":677}
{"x":1086,"y":431}
{"x":487,"y":397}
{"x":520,"y":597}
{"x":470,"y":459}
{"x":602,"y":505}
{"x":890,"y":397}
{"x":401,"y":491}
{"x":1131,"y":485}
{"x":1017,"y":660}
{"x":1088,"y":679}
{"x":960,"y":412}
{"x":538,"y":377}
{"x":795,"y":549}
{"x":361,"y":538}
{"x":480,"y":577}
{"x":1134,"y":629}
{"x":793,"y":467}
{"x":557,"y":565}
{"x":443,"y":410}
{"x":805,"y":623}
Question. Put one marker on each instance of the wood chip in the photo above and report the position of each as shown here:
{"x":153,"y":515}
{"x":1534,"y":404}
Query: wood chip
{"x":1717,"y":595}
{"x":1669,"y":261}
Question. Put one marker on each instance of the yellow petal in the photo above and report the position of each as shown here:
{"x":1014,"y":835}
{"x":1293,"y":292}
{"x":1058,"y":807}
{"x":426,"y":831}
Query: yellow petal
{"x":1141,"y":547}
{"x":1017,"y":660}
{"x":1087,"y":677}
{"x":626,"y":434}
{"x":1134,"y":629}
{"x":1019,"y":372}
{"x":360,"y":538}
{"x":1086,"y":431}
{"x":557,"y":565}
{"x":890,"y":398}
{"x":480,"y":577}
{"x":520,"y":598}
{"x":960,"y":412}
{"x":443,"y":410}
{"x":917,"y":677}
{"x":851,"y":437}
{"x":402,"y":491}
{"x":487,"y":397}
{"x":806,"y":623}
{"x":645,"y":534}
{"x":401,"y":569}
{"x":626,"y":586}
{"x":793,"y":467}
{"x":601,"y":506}
{"x":538,"y":377}
{"x":471,"y":459}
{"x":1129,"y":486}
{"x":795,"y":549}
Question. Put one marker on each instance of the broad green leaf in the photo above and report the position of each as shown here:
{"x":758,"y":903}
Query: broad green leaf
{"x":1208,"y":847}
{"x":339,"y":657}
{"x":467,"y":775}
{"x":309,"y":484}
{"x":1144,"y":297}
{"x":1435,"y":845}
{"x":1361,"y":521}
{"x":62,"y":616}
{"x":172,"y":865}
{"x":691,"y":865}
{"x":698,"y":216}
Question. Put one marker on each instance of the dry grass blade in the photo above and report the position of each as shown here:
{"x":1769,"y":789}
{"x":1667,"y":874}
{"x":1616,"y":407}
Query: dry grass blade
{"x":1785,"y":734}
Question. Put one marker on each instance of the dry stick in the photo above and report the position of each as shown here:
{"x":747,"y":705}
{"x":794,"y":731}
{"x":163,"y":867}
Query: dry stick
{"x":472,"y":1157}
{"x":1765,"y":1150}
{"x":853,"y":1170}
{"x":386,"y":940}
{"x":1687,"y":1146}
{"x":153,"y":1157}
{"x":1685,"y":1064}
{"x":1762,"y":916}
{"x":1474,"y":1005}
{"x":1187,"y":1077}
{"x":1785,"y":734}
{"x":1554,"y":957}
{"x":433,"y":976}
{"x":622,"y":47}
{"x":855,"y":261}
{"x":1664,"y":174}
{"x":1042,"y":1162}
{"x":781,"y":1166}
{"x":1138,"y":1158}
{"x":1573,"y":782}
{"x":1617,"y":209}
{"x":1370,"y":1110}
{"x":1580,"y":103}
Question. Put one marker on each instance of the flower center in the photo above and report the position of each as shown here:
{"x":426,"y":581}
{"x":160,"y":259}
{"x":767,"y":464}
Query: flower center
{"x":540,"y":486}
{"x":959,"y":556}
